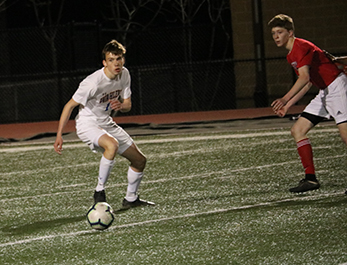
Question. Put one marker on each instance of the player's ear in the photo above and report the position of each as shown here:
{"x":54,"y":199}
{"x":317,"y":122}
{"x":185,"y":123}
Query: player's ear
{"x":104,"y":63}
{"x":291,"y":33}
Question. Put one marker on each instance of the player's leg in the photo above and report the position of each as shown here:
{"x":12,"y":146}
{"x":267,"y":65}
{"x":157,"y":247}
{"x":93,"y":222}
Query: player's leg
{"x":299,"y":131}
{"x":336,"y":104}
{"x":128,"y":149}
{"x":314,"y":113}
{"x":110,"y":146}
{"x":136,"y":158}
{"x":135,"y":170}
{"x":135,"y":174}
{"x":98,"y":140}
{"x":343,"y":131}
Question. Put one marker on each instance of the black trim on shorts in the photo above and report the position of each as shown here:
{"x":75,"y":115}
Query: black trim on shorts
{"x":312,"y":118}
{"x":341,"y":122}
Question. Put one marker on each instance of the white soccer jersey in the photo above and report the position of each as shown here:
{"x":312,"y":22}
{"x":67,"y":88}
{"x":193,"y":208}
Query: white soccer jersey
{"x":95,"y":92}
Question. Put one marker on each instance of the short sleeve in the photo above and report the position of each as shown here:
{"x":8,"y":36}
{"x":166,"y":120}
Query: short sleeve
{"x":85,"y":91}
{"x":126,"y":91}
{"x":304,"y":55}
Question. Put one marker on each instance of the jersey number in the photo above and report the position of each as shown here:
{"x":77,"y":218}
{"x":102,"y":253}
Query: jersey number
{"x":108,"y":106}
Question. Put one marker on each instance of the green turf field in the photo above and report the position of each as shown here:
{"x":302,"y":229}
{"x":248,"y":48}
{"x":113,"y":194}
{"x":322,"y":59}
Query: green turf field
{"x":222,"y":198}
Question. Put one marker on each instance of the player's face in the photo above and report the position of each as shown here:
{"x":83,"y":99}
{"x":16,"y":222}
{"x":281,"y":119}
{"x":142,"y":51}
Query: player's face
{"x":281,"y":36}
{"x":113,"y":65}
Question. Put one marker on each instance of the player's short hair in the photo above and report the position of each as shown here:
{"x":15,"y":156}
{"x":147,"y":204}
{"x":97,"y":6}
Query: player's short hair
{"x":282,"y":21}
{"x":113,"y":47}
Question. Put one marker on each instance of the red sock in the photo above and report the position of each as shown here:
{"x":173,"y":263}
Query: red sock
{"x":306,"y":155}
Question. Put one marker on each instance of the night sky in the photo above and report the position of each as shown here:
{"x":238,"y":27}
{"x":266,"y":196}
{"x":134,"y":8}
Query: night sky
{"x":20,"y":13}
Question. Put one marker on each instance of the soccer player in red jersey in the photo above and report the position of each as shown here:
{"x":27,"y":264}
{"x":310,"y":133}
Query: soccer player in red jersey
{"x":312,"y":67}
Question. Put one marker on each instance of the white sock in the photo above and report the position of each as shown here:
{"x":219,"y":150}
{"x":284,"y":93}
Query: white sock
{"x":105,"y":168}
{"x":134,"y":179}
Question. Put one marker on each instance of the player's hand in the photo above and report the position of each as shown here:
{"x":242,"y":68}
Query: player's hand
{"x":278,"y":104}
{"x":281,"y":112}
{"x":116,"y":105}
{"x":58,"y":145}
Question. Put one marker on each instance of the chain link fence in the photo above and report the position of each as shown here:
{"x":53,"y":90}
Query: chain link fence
{"x":40,"y":69}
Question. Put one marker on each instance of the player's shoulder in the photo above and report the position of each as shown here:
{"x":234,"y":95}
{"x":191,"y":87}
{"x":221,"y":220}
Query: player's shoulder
{"x":95,"y":77}
{"x":96,"y":74}
{"x":125,"y":76}
{"x":304,"y":43}
{"x":125,"y":71}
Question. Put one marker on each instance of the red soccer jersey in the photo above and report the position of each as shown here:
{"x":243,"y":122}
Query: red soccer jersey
{"x":322,"y":71}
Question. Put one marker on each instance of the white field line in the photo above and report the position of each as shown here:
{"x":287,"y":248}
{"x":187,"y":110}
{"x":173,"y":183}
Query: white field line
{"x":311,"y":198}
{"x":192,"y":176}
{"x":149,"y":156}
{"x":36,"y":171}
{"x":150,"y":181}
{"x":178,"y":139}
{"x":169,"y":179}
{"x":154,"y":156}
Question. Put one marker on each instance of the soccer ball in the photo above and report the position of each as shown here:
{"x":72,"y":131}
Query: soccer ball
{"x":100,"y":216}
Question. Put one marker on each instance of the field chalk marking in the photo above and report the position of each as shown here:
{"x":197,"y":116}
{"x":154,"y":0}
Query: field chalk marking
{"x":311,"y":198}
{"x":155,"y":141}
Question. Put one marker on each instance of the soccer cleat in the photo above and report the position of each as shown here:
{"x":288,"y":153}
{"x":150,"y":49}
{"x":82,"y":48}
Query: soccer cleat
{"x":305,"y":185}
{"x":137,"y":203}
{"x":99,"y":196}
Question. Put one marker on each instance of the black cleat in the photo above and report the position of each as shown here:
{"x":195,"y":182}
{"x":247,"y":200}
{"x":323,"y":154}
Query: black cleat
{"x":99,"y":196}
{"x":137,"y":203}
{"x":305,"y":185}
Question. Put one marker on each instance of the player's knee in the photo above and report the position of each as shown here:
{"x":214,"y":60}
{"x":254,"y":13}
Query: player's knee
{"x":297,"y":133}
{"x":293,"y":131}
{"x":108,"y":143}
{"x":140,"y":163}
{"x":111,"y":146}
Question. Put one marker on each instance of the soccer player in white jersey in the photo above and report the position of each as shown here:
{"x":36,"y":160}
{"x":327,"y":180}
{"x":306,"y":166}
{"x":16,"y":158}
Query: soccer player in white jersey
{"x":104,"y":91}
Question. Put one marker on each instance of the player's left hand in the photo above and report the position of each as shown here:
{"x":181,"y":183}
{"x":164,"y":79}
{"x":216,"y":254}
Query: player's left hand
{"x":116,"y":104}
{"x":278,"y":104}
{"x":281,"y":112}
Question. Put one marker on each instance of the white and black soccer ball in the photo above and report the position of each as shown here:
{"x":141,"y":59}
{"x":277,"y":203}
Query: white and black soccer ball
{"x":100,"y":216}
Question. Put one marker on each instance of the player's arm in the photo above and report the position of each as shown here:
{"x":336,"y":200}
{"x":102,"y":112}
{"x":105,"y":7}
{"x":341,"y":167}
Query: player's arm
{"x":122,"y":105}
{"x":283,"y":111}
{"x":341,"y":60}
{"x":335,"y":59}
{"x":301,"y":82}
{"x":64,"y":118}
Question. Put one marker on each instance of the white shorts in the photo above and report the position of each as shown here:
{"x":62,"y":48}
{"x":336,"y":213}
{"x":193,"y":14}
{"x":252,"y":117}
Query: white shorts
{"x":89,"y":132}
{"x":331,"y":101}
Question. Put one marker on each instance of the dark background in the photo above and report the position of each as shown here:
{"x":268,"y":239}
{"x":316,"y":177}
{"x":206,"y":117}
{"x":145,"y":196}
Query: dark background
{"x":20,"y":13}
{"x":179,"y":61}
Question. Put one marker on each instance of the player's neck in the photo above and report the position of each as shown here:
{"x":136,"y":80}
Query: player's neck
{"x":290,"y":44}
{"x":109,"y":74}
